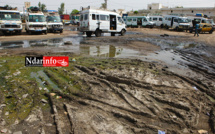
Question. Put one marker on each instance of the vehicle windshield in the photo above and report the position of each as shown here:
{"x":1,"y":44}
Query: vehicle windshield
{"x":210,"y":21}
{"x":37,"y":18}
{"x":53,"y":19}
{"x":180,"y":20}
{"x":9,"y":16}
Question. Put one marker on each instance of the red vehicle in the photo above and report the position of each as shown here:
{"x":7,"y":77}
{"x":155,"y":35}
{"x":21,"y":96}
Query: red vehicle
{"x":65,"y":18}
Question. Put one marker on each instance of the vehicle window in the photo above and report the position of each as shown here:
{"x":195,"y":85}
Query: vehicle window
{"x":120,"y":19}
{"x":129,"y":20}
{"x":104,"y":17}
{"x":93,"y":17}
{"x":175,"y":20}
{"x":165,"y":18}
{"x":97,"y":17}
{"x":9,"y":16}
{"x":189,"y":20}
{"x":81,"y":17}
{"x":37,"y":18}
{"x":144,"y":19}
{"x":53,"y":18}
{"x":155,"y":19}
{"x":160,"y":19}
{"x":169,"y":19}
{"x":108,"y":18}
{"x":134,"y":19}
{"x":150,"y":19}
{"x":86,"y":17}
{"x":203,"y":21}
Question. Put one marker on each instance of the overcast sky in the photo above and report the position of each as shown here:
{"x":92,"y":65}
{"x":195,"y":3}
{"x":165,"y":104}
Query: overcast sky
{"x":112,"y":4}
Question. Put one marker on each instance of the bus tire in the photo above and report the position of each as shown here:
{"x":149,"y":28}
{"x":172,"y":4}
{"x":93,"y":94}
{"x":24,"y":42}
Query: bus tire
{"x":112,"y":34}
{"x":98,"y":33}
{"x":211,"y":32}
{"x":123,"y":32}
{"x":45,"y":32}
{"x":167,"y":27}
{"x":177,"y":29}
{"x":88,"y":34}
{"x":61,"y":31}
{"x":161,"y":26}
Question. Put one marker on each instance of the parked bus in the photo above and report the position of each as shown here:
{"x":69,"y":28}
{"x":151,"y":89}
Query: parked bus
{"x":35,"y":21}
{"x":176,"y":22}
{"x":10,"y":20}
{"x":139,"y":21}
{"x":158,"y":20}
{"x":65,"y":19}
{"x":54,"y":21}
{"x":94,"y":21}
{"x":75,"y":19}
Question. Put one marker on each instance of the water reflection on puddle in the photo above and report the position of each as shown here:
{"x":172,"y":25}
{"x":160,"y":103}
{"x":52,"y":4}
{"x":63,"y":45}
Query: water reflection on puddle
{"x":56,"y":42}
{"x":108,"y":51}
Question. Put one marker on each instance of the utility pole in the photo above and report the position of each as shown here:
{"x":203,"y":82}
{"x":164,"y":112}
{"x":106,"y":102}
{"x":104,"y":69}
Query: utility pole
{"x":106,"y":4}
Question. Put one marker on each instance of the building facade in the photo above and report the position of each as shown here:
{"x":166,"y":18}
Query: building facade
{"x":209,"y":11}
{"x":155,"y":6}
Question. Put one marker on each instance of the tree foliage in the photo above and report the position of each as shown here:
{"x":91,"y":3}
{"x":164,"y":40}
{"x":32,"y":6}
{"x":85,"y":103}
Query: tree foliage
{"x":41,"y":6}
{"x":179,"y":7}
{"x":136,"y":12}
{"x":61,"y":8}
{"x":103,"y":6}
{"x":74,"y":11}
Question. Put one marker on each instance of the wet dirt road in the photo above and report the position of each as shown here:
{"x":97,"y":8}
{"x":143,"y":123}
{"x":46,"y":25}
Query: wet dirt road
{"x":139,"y":83}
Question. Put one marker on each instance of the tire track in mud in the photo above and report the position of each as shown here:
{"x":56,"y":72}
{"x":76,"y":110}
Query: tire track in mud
{"x":136,"y":104}
{"x":116,"y":84}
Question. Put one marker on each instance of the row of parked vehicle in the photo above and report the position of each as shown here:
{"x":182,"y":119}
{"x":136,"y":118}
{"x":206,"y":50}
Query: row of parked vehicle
{"x":36,"y":21}
{"x":171,"y":21}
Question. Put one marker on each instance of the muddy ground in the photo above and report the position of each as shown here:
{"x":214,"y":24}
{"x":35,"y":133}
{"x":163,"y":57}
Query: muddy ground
{"x":139,"y":83}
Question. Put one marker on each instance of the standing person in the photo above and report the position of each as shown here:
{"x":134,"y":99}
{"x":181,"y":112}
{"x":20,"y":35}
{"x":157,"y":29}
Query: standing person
{"x":196,"y":29}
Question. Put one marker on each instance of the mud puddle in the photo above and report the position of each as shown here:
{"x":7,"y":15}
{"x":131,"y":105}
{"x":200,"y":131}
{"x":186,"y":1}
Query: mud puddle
{"x":108,"y":51}
{"x":55,"y":42}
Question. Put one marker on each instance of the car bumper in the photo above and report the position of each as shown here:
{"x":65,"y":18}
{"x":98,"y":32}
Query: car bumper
{"x":10,"y":29}
{"x":56,"y":29}
{"x":37,"y":30}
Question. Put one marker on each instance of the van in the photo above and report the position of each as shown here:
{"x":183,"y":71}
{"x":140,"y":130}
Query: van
{"x":158,"y":20}
{"x":35,"y":21}
{"x":75,"y":19}
{"x":10,"y":21}
{"x":176,"y":22}
{"x":93,"y":21}
{"x":54,"y":22}
{"x":139,"y":21}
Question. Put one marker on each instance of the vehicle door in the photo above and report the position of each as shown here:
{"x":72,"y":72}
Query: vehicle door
{"x":160,"y":21}
{"x":175,"y":23}
{"x":120,"y":24}
{"x":155,"y":20}
{"x":169,"y":20}
{"x":134,"y":22}
{"x":82,"y":21}
{"x":144,"y":21}
{"x":94,"y":21}
{"x":105,"y":22}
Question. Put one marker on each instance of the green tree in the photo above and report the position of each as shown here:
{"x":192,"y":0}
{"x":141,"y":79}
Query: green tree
{"x":61,"y":8}
{"x":41,"y":6}
{"x":179,"y":7}
{"x":74,"y":11}
{"x":136,"y":12}
{"x":103,"y":6}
